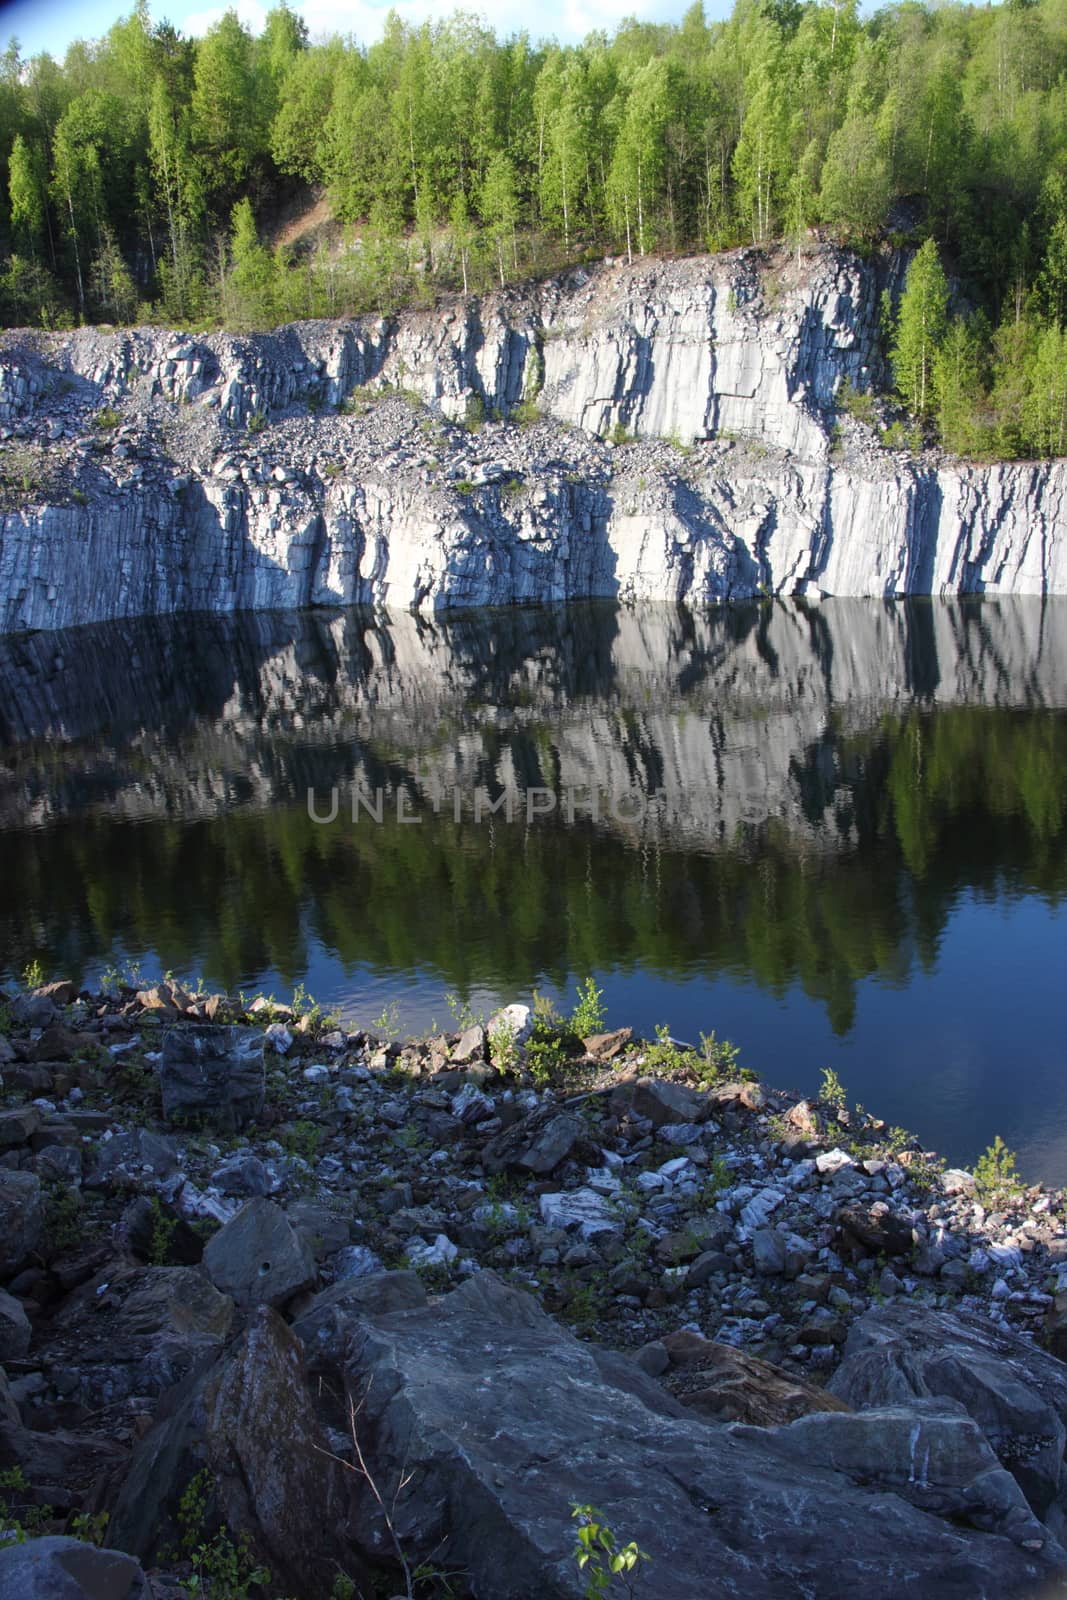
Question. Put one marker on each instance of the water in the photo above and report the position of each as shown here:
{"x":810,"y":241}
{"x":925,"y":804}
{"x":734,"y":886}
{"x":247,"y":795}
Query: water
{"x":836,"y":835}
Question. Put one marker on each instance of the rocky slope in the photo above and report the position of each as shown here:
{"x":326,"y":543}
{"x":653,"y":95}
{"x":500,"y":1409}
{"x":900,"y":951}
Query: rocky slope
{"x":807,"y":1357}
{"x":327,"y":463}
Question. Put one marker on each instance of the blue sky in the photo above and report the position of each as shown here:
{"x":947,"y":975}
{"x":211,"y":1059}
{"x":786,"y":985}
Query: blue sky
{"x":52,"y":24}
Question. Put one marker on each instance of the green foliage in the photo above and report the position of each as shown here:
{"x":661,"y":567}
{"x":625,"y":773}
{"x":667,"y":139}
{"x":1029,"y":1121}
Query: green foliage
{"x":302,"y":1139}
{"x":33,"y":974}
{"x":831,"y":1089}
{"x":162,"y":1234}
{"x":221,"y":1568}
{"x":599,"y":1556}
{"x":107,"y":419}
{"x":588,"y":1014}
{"x":20,"y":1517}
{"x":995,"y":1173}
{"x":257,"y":422}
{"x":63,"y":1220}
{"x":143,"y":169}
{"x":921,"y":326}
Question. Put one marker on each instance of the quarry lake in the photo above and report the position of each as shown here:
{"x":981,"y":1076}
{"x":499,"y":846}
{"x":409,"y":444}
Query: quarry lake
{"x":834,"y":834}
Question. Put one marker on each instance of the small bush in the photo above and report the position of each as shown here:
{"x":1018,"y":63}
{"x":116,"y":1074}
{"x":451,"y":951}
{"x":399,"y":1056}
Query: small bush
{"x":107,"y":419}
{"x":257,"y":422}
{"x":995,"y":1175}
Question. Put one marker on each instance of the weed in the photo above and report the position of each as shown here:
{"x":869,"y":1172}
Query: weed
{"x":599,"y":1556}
{"x":620,"y":435}
{"x":302,"y":1139}
{"x":33,"y":974}
{"x":588,"y":1015}
{"x":107,"y":419}
{"x":462,"y":1014}
{"x":858,"y":403}
{"x":832,"y":1090}
{"x":63,"y":1222}
{"x":717,"y":1059}
{"x":503,"y":1051}
{"x":257,"y":422}
{"x":465,"y":486}
{"x":387,"y":1022}
{"x":995,"y":1175}
{"x":222,"y":1569}
{"x":20,"y":1518}
{"x":162,"y":1234}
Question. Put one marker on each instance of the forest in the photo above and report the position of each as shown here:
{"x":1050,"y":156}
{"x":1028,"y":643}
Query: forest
{"x":146,"y":176}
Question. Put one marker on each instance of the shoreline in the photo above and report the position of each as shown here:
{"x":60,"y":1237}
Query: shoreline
{"x":726,"y":1239}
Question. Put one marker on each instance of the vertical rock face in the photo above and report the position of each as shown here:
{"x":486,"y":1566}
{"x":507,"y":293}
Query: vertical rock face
{"x":234,"y":482}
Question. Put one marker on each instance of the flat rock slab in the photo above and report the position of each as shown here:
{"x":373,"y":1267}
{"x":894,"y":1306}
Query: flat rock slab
{"x":212,"y":1076}
{"x":504,"y":1421}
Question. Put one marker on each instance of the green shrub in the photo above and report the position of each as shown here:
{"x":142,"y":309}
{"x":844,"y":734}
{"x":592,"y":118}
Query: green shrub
{"x":107,"y":419}
{"x":995,"y":1175}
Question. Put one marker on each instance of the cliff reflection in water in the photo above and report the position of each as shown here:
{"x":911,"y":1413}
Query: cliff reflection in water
{"x":829,"y":781}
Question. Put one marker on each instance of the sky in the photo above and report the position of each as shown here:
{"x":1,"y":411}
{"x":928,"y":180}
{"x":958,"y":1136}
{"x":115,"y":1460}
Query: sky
{"x":52,"y":24}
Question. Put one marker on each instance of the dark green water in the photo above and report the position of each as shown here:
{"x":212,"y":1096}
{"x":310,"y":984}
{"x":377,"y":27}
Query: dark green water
{"x":836,"y":835}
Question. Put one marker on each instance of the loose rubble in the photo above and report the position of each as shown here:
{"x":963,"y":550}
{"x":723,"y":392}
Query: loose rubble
{"x":196,"y":1198}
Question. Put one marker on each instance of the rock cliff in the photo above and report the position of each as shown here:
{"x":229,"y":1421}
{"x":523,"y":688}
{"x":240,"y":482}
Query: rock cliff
{"x":663,"y":431}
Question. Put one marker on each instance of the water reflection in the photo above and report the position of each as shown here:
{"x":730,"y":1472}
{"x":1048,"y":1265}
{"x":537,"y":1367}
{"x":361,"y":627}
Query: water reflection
{"x":821,"y":789}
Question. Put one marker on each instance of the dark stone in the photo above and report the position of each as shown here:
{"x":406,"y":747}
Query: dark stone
{"x":68,"y":1569}
{"x":251,"y":1422}
{"x":21,"y":1219}
{"x":213,"y":1076}
{"x":496,"y":1453}
{"x":1016,"y":1393}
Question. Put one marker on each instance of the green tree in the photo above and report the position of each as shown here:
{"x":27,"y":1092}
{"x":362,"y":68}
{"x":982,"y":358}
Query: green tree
{"x":27,"y":195}
{"x":500,"y":209}
{"x":250,"y":283}
{"x":1045,"y":409}
{"x":921,"y":324}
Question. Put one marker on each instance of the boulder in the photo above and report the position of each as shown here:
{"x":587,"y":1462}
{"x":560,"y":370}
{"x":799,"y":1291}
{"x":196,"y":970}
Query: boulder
{"x":15,"y":1331}
{"x":18,"y":1126}
{"x":32,"y":1010}
{"x":68,"y":1569}
{"x":777,"y":1252}
{"x":538,"y":1143}
{"x":930,"y":1453}
{"x":250,"y":1422}
{"x":660,"y":1100}
{"x":213,"y":1076}
{"x":258,"y":1258}
{"x":21,"y":1219}
{"x":720,"y":1382}
{"x":1016,"y":1393}
{"x":494,"y":1454}
{"x":323,"y":1325}
{"x":126,"y":1158}
{"x":874,"y":1230}
{"x":134,"y":1330}
{"x":242,"y":1174}
{"x":471,"y":1045}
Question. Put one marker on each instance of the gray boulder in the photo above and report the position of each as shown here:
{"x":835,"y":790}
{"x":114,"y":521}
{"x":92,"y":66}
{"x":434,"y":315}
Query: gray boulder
{"x":251,"y":1422}
{"x":537,"y":1143}
{"x":21,"y":1219}
{"x":258,"y":1258}
{"x":1016,"y":1393}
{"x":323,"y":1326}
{"x":242,"y":1174}
{"x":133,"y":1330}
{"x":211,"y":1076}
{"x":929,"y":1452}
{"x":14,"y":1328}
{"x":500,"y":1444}
{"x":66,"y":1569}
